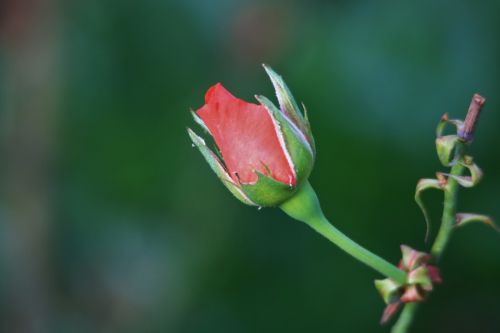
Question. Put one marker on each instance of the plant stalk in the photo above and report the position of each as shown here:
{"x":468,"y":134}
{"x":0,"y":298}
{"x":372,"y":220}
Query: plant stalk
{"x":405,"y":318}
{"x":447,"y":222}
{"x":449,"y":213}
{"x":304,"y":206}
{"x":466,"y":134}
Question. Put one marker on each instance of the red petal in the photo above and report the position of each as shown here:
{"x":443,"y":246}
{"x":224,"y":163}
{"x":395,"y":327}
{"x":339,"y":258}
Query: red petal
{"x":434,"y":274}
{"x":389,"y":311}
{"x":246,"y":137}
{"x":412,"y":294}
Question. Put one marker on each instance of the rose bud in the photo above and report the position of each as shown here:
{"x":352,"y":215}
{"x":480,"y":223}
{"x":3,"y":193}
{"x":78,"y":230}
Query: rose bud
{"x":263,"y":153}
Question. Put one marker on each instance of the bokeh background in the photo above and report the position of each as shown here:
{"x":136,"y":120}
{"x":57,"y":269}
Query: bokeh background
{"x":111,"y":222}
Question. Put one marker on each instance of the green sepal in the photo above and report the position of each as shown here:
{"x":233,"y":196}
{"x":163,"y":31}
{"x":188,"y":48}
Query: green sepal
{"x":297,"y":146}
{"x":389,"y":290}
{"x":441,"y":125}
{"x":420,"y":276}
{"x":308,"y":126}
{"x":413,"y":258}
{"x":267,"y":192}
{"x":219,"y":169}
{"x":306,"y":117}
{"x":446,"y":148}
{"x":288,"y":104}
{"x":444,"y":121}
{"x":462,"y":219}
{"x":475,"y":173}
{"x":422,"y":185}
{"x":200,"y":122}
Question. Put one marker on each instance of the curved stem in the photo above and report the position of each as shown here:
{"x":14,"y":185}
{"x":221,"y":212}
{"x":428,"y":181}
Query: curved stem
{"x":304,"y":206}
{"x":449,"y":212}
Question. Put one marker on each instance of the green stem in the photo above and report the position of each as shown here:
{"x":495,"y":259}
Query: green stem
{"x":449,"y":213}
{"x":442,"y":239}
{"x":304,"y":206}
{"x":405,"y":318}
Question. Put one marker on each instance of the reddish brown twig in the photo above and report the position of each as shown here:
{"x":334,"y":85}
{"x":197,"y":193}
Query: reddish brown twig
{"x":466,"y":133}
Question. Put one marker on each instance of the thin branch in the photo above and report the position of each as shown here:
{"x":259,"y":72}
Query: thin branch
{"x":466,"y":133}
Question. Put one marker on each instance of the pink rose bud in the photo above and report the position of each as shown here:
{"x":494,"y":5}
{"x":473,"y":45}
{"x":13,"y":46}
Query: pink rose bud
{"x":263,"y":153}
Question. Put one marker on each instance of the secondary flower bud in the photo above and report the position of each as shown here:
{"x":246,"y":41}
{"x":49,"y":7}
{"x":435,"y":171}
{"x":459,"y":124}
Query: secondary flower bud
{"x":421,"y":278}
{"x":264,"y":153}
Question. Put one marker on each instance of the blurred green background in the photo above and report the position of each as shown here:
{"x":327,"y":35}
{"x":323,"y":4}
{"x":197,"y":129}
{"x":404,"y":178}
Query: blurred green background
{"x":111,"y":222}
